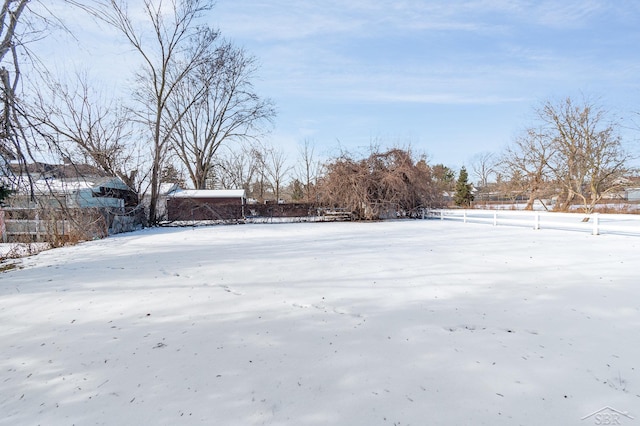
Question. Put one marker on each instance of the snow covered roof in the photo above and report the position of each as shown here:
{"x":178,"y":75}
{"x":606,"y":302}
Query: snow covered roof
{"x":208,"y":193}
{"x":168,"y":187}
{"x":112,"y":183}
{"x":70,"y":185}
{"x":61,"y":186}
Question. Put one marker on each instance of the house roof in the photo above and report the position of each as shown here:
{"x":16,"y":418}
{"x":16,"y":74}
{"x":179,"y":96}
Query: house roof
{"x":112,"y":183}
{"x":208,"y":193}
{"x":70,"y":185}
{"x":167,"y":188}
{"x":68,"y":178}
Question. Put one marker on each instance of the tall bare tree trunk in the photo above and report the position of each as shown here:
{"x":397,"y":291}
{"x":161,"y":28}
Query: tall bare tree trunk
{"x":178,"y":47}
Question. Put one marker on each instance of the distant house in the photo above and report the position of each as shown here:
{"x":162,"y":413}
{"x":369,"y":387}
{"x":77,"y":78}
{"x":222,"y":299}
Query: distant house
{"x":71,"y":186}
{"x":108,"y":192}
{"x":206,"y":205}
{"x":70,"y":199}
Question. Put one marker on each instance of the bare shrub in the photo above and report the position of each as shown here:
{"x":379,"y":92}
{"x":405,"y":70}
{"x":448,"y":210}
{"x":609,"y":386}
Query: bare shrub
{"x":385,"y":184}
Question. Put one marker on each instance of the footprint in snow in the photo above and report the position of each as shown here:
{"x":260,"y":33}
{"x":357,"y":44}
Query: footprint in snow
{"x":229,"y":290}
{"x":467,"y":327}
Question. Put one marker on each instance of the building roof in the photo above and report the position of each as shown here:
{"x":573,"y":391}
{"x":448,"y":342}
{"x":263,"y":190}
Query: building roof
{"x":208,"y":193}
{"x":167,"y":188}
{"x":111,"y":183}
{"x":71,"y":185}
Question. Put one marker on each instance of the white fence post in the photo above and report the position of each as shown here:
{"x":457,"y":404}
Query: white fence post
{"x":441,"y":214}
{"x":536,"y":225}
{"x":464,"y":216}
{"x":596,"y":231}
{"x":495,"y":218}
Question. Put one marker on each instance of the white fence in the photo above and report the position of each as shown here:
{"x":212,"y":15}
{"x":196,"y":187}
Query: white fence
{"x":595,"y":223}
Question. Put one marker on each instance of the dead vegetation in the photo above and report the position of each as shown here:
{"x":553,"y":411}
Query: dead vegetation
{"x":382,"y":185}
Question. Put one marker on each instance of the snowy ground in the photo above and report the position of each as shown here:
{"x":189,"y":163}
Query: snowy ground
{"x":406,"y":323}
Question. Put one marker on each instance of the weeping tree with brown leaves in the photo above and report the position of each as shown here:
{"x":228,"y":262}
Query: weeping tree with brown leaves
{"x":382,"y":185}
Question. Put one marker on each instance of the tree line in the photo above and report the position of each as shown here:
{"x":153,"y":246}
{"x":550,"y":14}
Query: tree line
{"x":194,"y":118}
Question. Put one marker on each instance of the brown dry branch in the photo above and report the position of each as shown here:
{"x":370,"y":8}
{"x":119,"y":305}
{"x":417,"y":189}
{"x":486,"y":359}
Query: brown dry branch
{"x":383,"y":185}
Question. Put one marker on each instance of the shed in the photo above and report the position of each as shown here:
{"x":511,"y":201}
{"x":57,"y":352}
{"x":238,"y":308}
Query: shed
{"x":206,"y":204}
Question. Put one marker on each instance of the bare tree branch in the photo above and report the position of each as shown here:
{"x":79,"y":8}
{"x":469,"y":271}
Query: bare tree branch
{"x":177,"y":48}
{"x":229,"y":111}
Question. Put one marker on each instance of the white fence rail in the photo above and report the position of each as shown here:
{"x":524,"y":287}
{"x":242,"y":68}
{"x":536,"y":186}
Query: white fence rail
{"x":595,"y":223}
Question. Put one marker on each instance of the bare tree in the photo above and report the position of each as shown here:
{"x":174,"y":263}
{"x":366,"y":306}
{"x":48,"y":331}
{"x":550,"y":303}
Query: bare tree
{"x":260,"y":182}
{"x":510,"y":184}
{"x":525,"y":164}
{"x":22,"y":22}
{"x":175,"y":47}
{"x":483,"y":166}
{"x":276,"y":168}
{"x":10,"y":17}
{"x":12,"y":132}
{"x":236,"y":169}
{"x":575,"y":149}
{"x":589,"y":160}
{"x":308,"y":169}
{"x":229,"y":110}
{"x":88,"y":128}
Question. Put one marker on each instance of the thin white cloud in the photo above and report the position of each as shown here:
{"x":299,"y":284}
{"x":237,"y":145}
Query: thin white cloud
{"x":287,"y":20}
{"x":409,"y":53}
{"x":333,"y":60}
{"x":439,"y":98}
{"x":570,"y":14}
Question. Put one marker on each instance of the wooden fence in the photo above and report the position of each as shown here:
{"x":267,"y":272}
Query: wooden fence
{"x":37,"y":225}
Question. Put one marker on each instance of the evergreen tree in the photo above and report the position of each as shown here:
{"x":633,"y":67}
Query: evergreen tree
{"x":171,"y":174}
{"x":5,"y":192}
{"x":463,"y":196}
{"x":444,"y":178}
{"x":298,"y":191}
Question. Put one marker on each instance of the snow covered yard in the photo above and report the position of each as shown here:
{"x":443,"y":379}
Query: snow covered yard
{"x":406,"y":323}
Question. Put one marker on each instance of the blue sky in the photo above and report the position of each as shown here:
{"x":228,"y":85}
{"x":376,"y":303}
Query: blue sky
{"x":453,"y":78}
